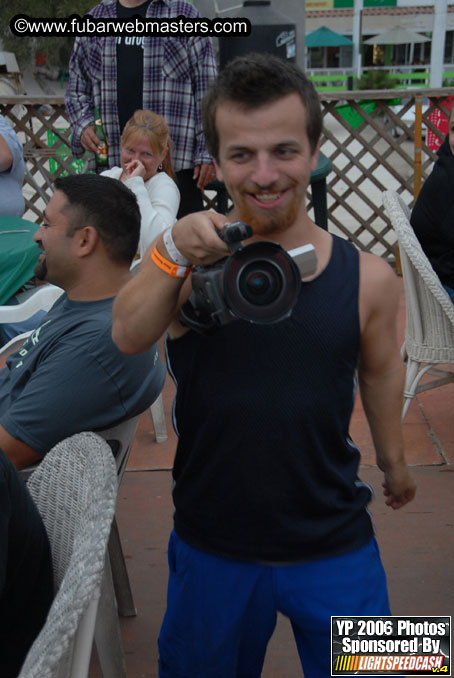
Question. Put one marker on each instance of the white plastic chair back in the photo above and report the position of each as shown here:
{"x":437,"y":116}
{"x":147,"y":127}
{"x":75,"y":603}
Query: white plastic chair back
{"x":122,"y":436}
{"x":15,"y":343}
{"x":42,"y":298}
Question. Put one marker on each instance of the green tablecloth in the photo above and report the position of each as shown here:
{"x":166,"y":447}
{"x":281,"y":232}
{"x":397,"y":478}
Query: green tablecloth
{"x":18,"y":254}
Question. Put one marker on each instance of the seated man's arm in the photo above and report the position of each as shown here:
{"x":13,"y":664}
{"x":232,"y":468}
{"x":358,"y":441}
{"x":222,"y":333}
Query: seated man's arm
{"x":20,"y":453}
{"x":147,"y":305}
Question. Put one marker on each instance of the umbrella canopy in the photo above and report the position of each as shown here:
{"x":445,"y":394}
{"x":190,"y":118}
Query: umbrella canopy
{"x":396,"y":36}
{"x":325,"y":37}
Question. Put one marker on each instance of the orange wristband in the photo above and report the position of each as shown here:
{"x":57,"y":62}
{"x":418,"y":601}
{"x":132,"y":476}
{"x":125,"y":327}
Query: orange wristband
{"x":168,"y":267}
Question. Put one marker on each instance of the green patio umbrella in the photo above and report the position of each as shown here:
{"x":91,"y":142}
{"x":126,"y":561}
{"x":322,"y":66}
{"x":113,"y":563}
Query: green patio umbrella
{"x":325,"y":37}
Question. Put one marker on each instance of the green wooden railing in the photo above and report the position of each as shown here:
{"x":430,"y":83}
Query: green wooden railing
{"x":330,"y":82}
{"x":339,"y":82}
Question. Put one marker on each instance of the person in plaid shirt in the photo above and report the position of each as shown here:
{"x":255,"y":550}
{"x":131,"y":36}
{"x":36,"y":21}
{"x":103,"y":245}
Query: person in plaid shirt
{"x":168,"y":75}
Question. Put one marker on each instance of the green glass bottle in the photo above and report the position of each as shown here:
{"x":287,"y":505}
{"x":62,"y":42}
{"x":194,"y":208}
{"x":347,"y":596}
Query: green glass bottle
{"x":101,"y":156}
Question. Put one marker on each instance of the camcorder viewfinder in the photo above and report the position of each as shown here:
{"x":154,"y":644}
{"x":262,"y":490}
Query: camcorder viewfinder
{"x":259,"y":282}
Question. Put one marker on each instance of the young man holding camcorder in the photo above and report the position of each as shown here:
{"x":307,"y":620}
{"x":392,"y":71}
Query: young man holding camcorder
{"x":269,"y":512}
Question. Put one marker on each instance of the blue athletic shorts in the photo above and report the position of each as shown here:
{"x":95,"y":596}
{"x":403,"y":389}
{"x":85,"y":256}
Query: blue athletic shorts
{"x":221,"y":613}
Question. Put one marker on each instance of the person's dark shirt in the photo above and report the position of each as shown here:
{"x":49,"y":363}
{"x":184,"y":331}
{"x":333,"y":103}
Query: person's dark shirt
{"x":432,"y":217}
{"x":26,"y":578}
{"x":130,"y":66}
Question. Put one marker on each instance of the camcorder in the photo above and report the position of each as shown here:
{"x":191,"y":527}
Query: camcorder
{"x":259,"y":282}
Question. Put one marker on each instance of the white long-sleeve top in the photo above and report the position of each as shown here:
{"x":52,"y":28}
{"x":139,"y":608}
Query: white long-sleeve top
{"x":158,"y":199}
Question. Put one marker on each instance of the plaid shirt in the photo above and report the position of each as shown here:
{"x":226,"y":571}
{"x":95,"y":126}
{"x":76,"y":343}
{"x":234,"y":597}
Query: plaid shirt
{"x":176,"y":73}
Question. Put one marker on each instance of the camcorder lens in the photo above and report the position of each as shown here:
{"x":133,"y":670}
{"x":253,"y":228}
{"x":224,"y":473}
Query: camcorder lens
{"x":260,"y":283}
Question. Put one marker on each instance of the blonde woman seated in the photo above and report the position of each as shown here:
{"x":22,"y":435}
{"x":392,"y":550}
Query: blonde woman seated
{"x":146,"y":168}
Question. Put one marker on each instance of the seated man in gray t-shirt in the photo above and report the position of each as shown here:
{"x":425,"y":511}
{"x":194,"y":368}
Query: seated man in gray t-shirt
{"x":69,"y":376}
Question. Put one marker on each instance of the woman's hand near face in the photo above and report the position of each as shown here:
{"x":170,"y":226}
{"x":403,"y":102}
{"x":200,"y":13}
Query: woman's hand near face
{"x":134,"y":168}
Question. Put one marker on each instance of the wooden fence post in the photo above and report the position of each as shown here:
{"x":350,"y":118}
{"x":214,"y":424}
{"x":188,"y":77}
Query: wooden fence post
{"x":418,"y":147}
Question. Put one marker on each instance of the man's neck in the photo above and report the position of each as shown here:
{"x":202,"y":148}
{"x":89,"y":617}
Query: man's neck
{"x":98,"y":286}
{"x":300,"y":232}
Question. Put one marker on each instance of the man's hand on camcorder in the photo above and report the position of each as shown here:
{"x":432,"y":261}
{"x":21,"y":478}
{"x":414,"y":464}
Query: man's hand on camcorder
{"x":196,"y":237}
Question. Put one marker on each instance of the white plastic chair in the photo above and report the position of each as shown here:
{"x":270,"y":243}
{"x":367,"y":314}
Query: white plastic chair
{"x":159,"y":419}
{"x":116,"y":593}
{"x":75,"y":490}
{"x":41,"y":298}
{"x":429,"y":330}
{"x":14,"y":344}
{"x":122,"y":437}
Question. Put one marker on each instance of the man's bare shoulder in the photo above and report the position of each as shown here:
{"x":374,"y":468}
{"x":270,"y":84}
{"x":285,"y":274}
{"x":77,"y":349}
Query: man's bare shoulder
{"x":379,"y":287}
{"x":375,"y":271}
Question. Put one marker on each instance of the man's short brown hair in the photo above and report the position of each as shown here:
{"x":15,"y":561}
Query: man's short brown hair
{"x":255,"y":80}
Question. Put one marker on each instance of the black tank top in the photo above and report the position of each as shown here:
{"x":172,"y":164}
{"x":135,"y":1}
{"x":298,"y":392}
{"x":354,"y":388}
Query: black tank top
{"x":265,"y":469}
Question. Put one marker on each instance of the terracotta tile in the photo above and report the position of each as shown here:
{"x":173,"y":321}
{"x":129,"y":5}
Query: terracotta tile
{"x":420,"y":448}
{"x":438,"y":408}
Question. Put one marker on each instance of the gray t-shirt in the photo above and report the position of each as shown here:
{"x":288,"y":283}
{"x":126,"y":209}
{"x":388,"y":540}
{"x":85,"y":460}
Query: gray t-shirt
{"x":11,"y":199}
{"x":69,"y":377}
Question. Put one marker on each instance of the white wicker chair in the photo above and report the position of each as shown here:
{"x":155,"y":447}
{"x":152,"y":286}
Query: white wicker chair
{"x":429,"y":330}
{"x":75,"y":489}
{"x":116,"y":593}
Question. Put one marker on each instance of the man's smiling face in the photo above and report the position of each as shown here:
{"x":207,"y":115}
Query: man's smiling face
{"x":57,"y":261}
{"x":265,"y":161}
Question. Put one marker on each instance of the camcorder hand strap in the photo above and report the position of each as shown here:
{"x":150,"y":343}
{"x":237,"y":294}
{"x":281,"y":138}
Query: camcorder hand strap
{"x":195,"y":319}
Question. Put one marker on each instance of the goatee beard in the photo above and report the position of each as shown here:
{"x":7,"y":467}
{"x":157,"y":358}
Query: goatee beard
{"x":271,"y":224}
